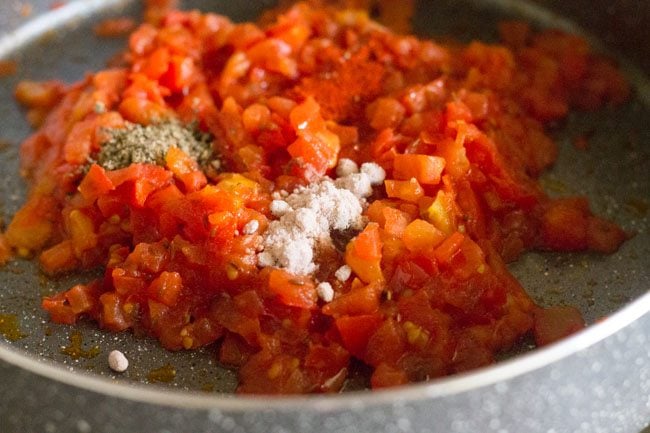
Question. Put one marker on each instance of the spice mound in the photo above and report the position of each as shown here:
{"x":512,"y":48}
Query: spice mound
{"x":137,"y":144}
{"x":311,"y":193}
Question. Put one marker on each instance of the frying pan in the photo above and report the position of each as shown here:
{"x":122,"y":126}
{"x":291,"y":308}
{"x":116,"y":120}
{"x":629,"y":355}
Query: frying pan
{"x":595,"y":381}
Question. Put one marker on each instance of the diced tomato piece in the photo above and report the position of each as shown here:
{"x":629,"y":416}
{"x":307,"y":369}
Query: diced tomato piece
{"x":125,"y":284}
{"x":234,"y":350}
{"x":96,"y":183}
{"x":440,"y":212}
{"x":355,"y":332}
{"x":554,"y":323}
{"x":58,"y":258}
{"x":425,"y":168}
{"x":78,"y":144}
{"x":156,"y":64}
{"x":420,"y":236}
{"x":315,"y":144}
{"x":395,"y":221}
{"x":32,"y":226}
{"x":407,"y":190}
{"x":82,"y":298}
{"x":604,"y":236}
{"x":143,"y":179}
{"x":386,"y":345}
{"x":454,"y":155}
{"x":142,"y":111}
{"x":329,"y":365}
{"x":82,"y":232}
{"x":112,"y":315}
{"x":386,"y":376}
{"x":363,"y":254}
{"x":60,"y":311}
{"x":274,"y":55}
{"x":564,"y":226}
{"x":359,"y":300}
{"x":39,"y":94}
{"x":166,"y":288}
{"x":385,"y":113}
{"x":181,"y":74}
{"x":293,"y":290}
{"x":446,"y":251}
{"x":185,"y":169}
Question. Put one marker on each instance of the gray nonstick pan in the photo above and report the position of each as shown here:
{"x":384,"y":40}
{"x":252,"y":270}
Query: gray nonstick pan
{"x":55,"y":378}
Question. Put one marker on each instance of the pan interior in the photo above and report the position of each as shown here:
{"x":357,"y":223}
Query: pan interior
{"x":613,"y":174}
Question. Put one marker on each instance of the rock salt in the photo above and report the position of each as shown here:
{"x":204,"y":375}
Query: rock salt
{"x":343,"y":273}
{"x":357,"y":183}
{"x":279,"y":207}
{"x":325,"y":291}
{"x":374,"y":171}
{"x":346,"y":167}
{"x":251,"y":227}
{"x":117,"y":361}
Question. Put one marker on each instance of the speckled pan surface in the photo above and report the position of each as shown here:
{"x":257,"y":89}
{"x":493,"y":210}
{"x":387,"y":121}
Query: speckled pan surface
{"x":597,"y":381}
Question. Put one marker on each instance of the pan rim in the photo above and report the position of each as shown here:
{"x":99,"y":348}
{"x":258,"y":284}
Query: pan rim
{"x":437,"y":388}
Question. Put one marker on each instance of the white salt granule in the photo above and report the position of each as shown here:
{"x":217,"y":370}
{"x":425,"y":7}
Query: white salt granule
{"x":265,"y":259}
{"x":374,"y":171}
{"x":343,"y":273}
{"x":251,"y":227}
{"x":325,"y":291}
{"x":117,"y":361}
{"x":279,"y":207}
{"x":278,"y":195}
{"x":346,"y":167}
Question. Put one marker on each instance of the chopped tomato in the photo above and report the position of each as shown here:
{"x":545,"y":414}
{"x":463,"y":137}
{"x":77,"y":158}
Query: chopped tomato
{"x":409,"y":277}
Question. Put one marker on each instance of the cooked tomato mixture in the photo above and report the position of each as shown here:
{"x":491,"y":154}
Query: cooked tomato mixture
{"x":357,"y":200}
